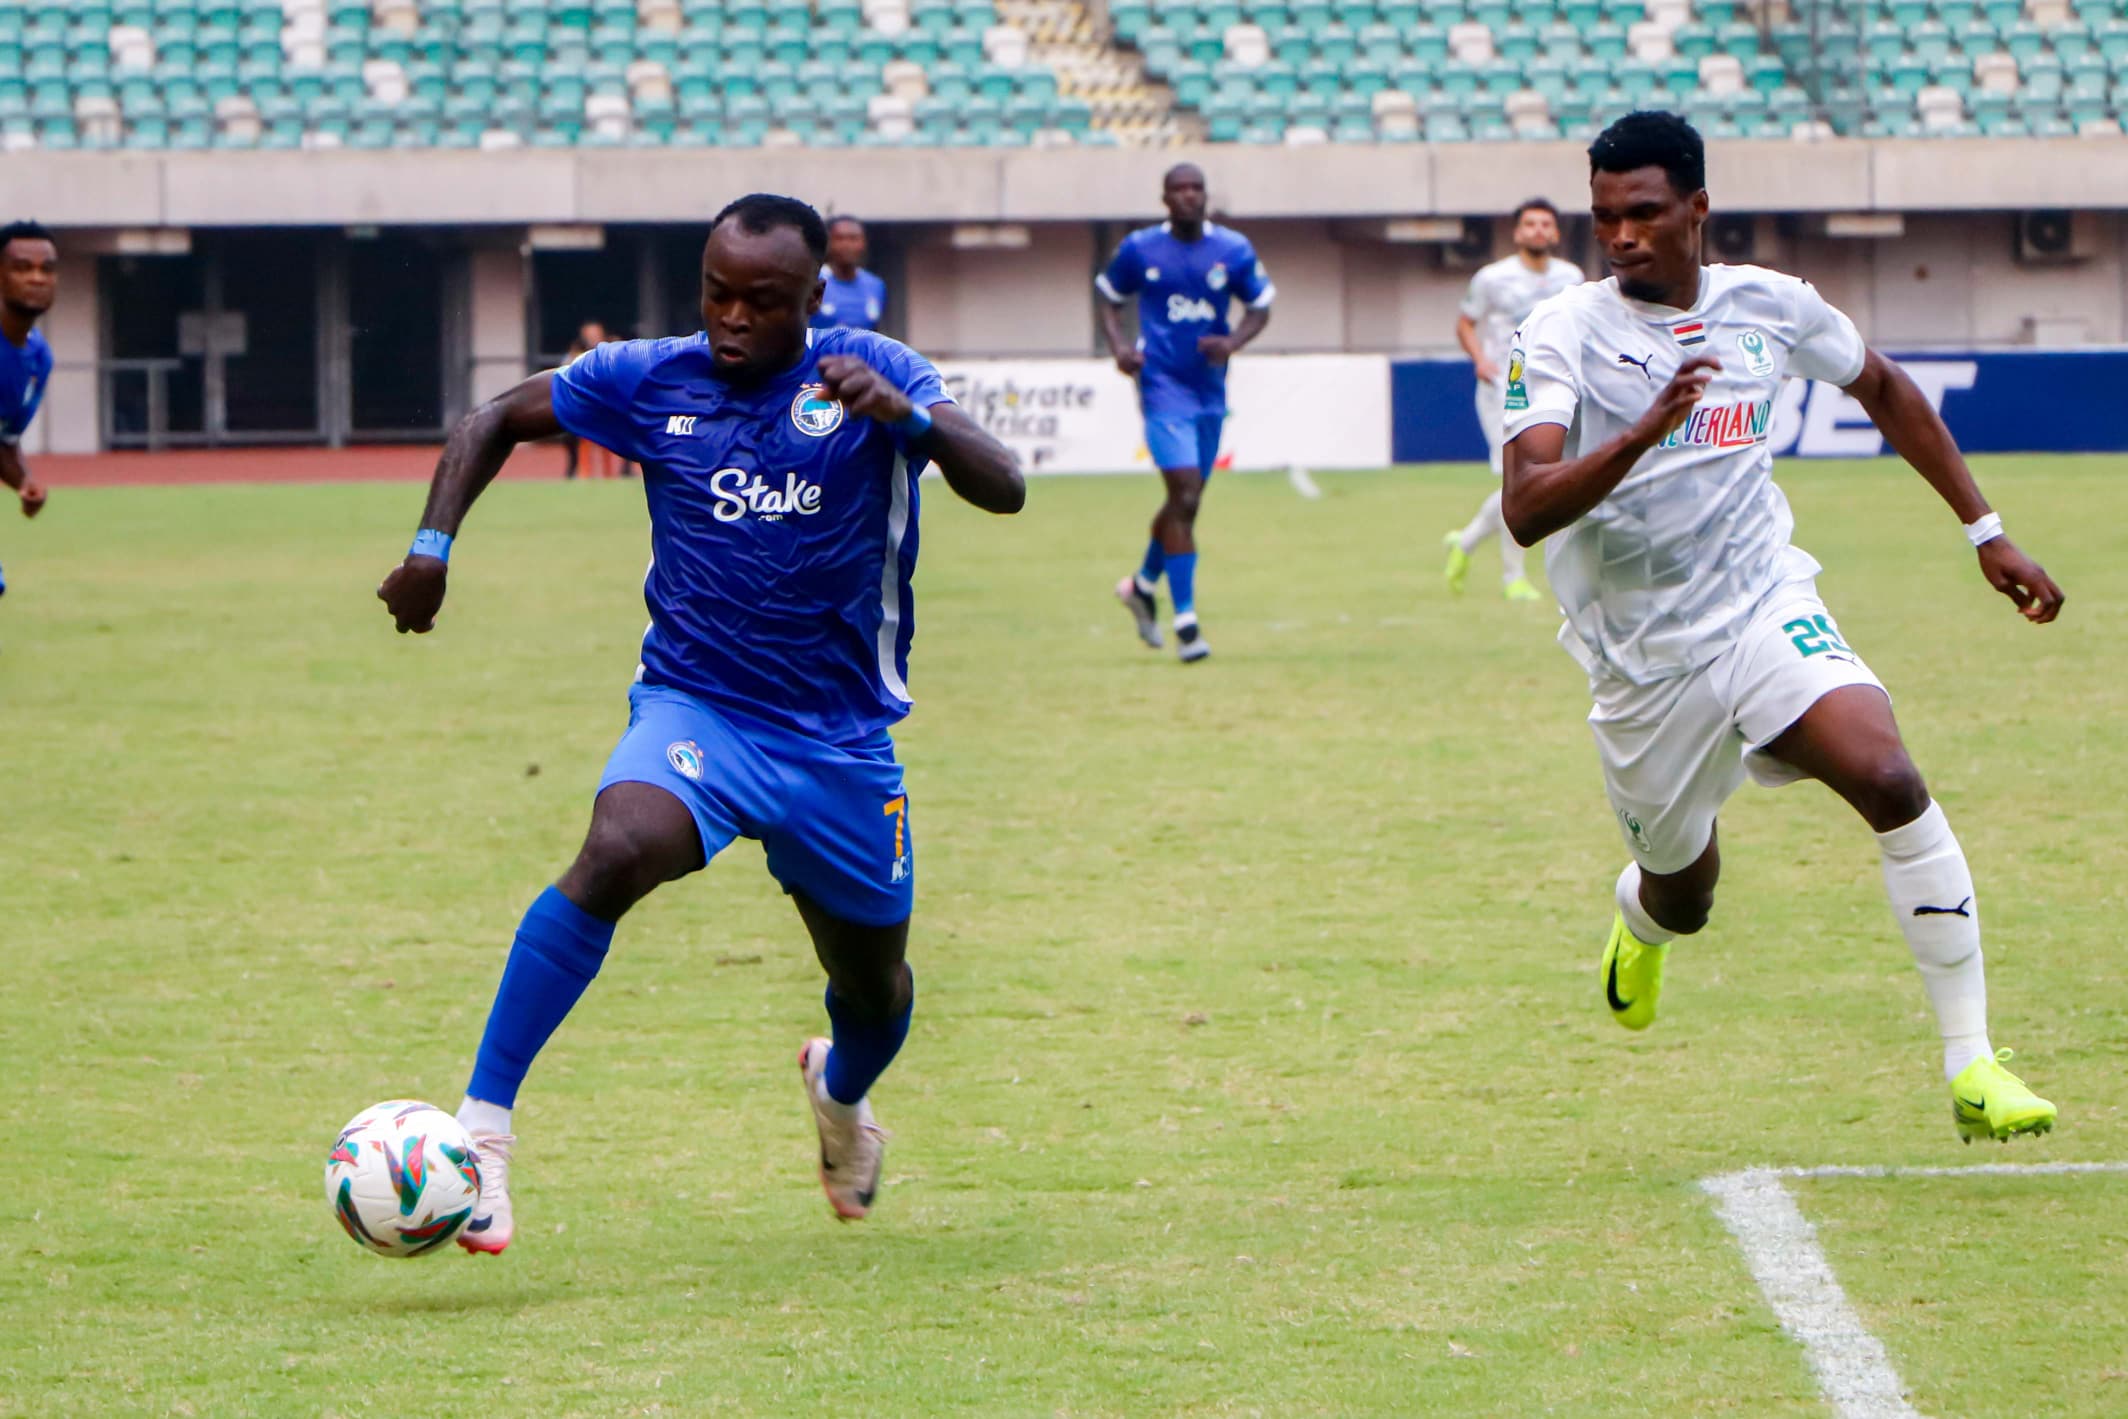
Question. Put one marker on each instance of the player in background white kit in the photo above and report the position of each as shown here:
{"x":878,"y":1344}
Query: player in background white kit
{"x":1500,"y":297}
{"x":1637,"y":411}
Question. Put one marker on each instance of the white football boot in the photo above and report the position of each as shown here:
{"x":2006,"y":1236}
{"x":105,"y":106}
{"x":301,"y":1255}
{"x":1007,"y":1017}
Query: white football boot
{"x":490,"y":1229}
{"x":1144,"y":610}
{"x":853,"y":1147}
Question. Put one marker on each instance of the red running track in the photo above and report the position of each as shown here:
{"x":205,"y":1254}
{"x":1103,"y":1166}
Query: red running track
{"x":375,"y":463}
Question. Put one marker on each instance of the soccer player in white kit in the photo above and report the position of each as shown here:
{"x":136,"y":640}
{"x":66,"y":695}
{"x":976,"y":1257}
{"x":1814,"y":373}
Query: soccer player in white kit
{"x":1500,"y":297}
{"x":1637,"y":411}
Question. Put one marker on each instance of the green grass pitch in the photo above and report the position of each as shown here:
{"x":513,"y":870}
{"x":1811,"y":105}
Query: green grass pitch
{"x":1260,"y":1064}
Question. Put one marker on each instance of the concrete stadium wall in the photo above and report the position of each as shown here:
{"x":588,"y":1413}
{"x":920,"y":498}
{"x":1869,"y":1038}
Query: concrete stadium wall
{"x":1322,"y":219}
{"x":343,"y":187}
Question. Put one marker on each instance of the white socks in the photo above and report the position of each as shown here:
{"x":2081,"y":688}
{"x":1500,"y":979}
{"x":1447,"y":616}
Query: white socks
{"x":1932,"y":896}
{"x":1489,"y":523}
{"x":480,"y":1116}
{"x":1637,"y":919}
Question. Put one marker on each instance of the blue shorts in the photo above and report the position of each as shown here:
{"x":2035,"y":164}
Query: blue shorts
{"x":1184,"y":440}
{"x":833,"y":818}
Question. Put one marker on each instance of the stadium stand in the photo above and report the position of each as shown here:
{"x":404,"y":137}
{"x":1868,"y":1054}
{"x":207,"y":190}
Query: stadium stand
{"x":194,"y":74}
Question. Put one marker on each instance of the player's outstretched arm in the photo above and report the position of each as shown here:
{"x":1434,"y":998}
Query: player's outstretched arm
{"x":17,"y":476}
{"x":976,"y":466}
{"x":479,"y":446}
{"x":1544,"y":491}
{"x":1896,"y":405}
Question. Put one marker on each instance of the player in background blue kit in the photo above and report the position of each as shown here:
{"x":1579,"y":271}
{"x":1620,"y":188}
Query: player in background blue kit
{"x":781,"y":468}
{"x":850,"y":295}
{"x":1185,"y":273}
{"x":29,"y":281}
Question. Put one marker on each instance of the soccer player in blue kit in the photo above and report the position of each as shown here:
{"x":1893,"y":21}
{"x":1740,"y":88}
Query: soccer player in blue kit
{"x":1185,"y":273}
{"x":850,"y":295}
{"x":29,"y":281}
{"x":781,"y":470}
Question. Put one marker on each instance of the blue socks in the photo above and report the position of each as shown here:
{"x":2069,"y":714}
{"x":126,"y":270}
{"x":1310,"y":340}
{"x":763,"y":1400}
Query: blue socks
{"x":1154,"y":564}
{"x":558,"y":950}
{"x":1182,"y":582}
{"x":863,"y":1048}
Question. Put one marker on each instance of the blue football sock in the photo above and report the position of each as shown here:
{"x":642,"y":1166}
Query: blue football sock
{"x":558,"y":950}
{"x":1182,"y":582}
{"x":1154,"y":564}
{"x":863,"y":1048}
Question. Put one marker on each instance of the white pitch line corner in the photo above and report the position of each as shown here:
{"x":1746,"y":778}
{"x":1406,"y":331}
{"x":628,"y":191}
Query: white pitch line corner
{"x":1781,"y":1249}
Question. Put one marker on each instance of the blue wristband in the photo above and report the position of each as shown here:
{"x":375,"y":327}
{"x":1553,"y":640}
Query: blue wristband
{"x":428,"y":542}
{"x":916,"y":425}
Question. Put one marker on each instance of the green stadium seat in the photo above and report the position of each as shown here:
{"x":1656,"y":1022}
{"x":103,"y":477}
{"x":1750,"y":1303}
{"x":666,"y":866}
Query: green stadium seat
{"x":1765,"y":73}
{"x":1624,"y":13}
{"x":1500,"y":78}
{"x":2071,"y":41}
{"x":1885,"y":41}
{"x":2112,"y":39}
{"x":1739,"y":38}
{"x":1321,"y":76}
{"x":1957,"y":12}
{"x":951,"y":81}
{"x":996,"y":84}
{"x":1931,"y":39}
{"x":1131,"y":19}
{"x":2003,"y":13}
{"x":1365,"y":78}
{"x":1459,"y":80}
{"x":1645,"y":84}
{"x":1955,"y":73}
{"x":1605,"y":40}
{"x":1548,"y":75}
{"x":1516,"y":40}
{"x":1278,"y":79}
{"x":1414,"y":77}
{"x":1382,"y":43}
{"x":2041,"y":78}
{"x":1908,"y":75}
{"x":1303,"y":110}
{"x":1680,"y":78}
{"x":1192,"y":82}
{"x":1429,"y":41}
{"x":1491,"y":13}
{"x":1401,"y":15}
{"x":1538,"y":13}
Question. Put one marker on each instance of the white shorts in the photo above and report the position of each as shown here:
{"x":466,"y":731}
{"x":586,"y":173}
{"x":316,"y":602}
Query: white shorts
{"x":1491,"y":414}
{"x":1675,"y":750}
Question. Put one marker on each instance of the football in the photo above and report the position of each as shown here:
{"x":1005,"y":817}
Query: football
{"x":402,"y":1178}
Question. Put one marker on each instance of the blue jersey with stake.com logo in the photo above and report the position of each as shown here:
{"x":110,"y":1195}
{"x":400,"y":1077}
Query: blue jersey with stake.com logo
{"x":1184,"y":290}
{"x":782,"y":527}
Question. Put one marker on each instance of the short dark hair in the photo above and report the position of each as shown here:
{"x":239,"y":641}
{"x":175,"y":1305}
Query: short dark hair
{"x":1651,"y":138}
{"x":760,"y":212}
{"x":841,"y":219}
{"x":23,"y":231}
{"x":1537,"y":204}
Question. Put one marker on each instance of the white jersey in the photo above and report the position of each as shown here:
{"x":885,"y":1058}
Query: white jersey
{"x":1502,"y":295}
{"x":1658,"y":578}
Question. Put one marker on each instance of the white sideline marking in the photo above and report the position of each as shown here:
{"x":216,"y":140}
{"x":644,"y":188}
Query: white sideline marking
{"x":1303,"y":483}
{"x":1781,"y":1249}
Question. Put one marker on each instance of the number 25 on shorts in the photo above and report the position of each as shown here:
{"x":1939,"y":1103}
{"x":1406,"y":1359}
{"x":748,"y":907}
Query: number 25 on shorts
{"x":1814,"y":635}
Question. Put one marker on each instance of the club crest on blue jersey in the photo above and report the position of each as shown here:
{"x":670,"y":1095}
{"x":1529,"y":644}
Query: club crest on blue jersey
{"x":1216,"y":278}
{"x":814,"y":414}
{"x":685,"y":756}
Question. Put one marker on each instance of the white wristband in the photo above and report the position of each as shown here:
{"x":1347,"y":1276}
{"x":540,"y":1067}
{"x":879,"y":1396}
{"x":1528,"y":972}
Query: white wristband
{"x":1985,"y":529}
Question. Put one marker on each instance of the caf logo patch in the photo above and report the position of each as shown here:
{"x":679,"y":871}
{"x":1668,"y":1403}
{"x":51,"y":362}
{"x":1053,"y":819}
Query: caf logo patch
{"x":814,"y":414}
{"x":1757,"y":359}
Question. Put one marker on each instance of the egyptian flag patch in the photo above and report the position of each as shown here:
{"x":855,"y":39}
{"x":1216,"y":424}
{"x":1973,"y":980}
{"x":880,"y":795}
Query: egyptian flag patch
{"x":1692,"y":332}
